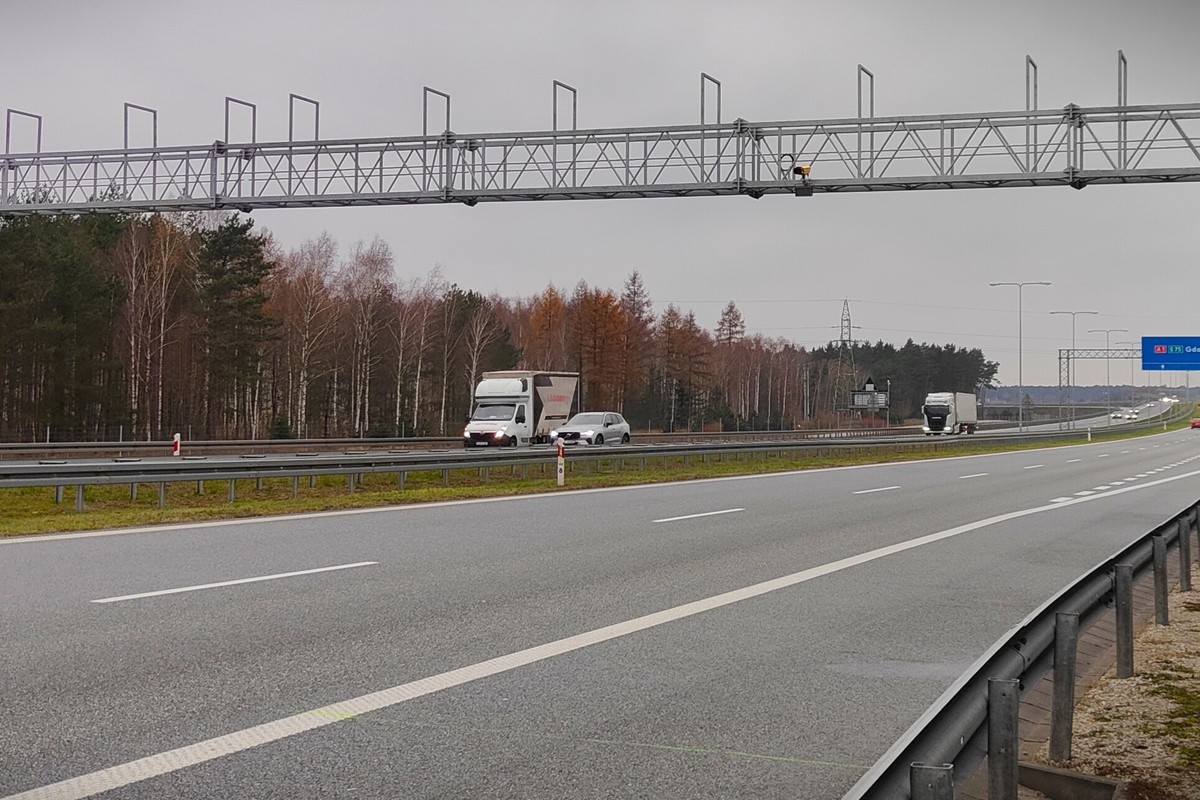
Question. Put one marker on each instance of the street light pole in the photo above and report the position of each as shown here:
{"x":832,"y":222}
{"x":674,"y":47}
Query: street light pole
{"x":1132,"y":363}
{"x":1020,"y":348}
{"x":1071,"y":360}
{"x":1107,"y":371}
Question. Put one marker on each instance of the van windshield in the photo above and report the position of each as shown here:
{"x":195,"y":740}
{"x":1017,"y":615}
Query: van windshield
{"x":494,"y":412}
{"x":942,"y":410}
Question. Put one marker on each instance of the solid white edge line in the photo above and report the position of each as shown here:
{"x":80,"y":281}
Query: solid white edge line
{"x":236,"y":582}
{"x":210,"y":749}
{"x":704,"y":514}
{"x":556,"y":496}
{"x":880,"y":489}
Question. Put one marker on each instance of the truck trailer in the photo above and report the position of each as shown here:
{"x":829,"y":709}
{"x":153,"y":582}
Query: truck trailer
{"x":519,"y":407}
{"x":949,"y":413}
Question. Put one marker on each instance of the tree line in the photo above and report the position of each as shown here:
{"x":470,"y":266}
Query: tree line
{"x":147,"y":325}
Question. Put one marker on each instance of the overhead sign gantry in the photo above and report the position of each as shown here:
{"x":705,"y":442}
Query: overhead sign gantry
{"x":1071,"y":146}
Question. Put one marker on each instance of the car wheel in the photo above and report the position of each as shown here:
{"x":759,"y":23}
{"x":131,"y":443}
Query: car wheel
{"x":625,"y":439}
{"x":513,"y":442}
{"x":599,"y":438}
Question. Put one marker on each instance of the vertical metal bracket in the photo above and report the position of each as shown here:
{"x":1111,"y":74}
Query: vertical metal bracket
{"x":154,"y":163}
{"x":574,"y":126}
{"x":253,"y":118}
{"x":1031,"y":105}
{"x":871,"y":114}
{"x":574,"y":106}
{"x":1122,"y":100}
{"x":292,"y":98}
{"x":425,"y":92}
{"x":153,"y":116}
{"x":8,"y":128}
{"x":705,"y":77}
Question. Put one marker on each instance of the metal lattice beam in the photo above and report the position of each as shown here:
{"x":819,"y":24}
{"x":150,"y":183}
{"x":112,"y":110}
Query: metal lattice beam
{"x":1069,"y":147}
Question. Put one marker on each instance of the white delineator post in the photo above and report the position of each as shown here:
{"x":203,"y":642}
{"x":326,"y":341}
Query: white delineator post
{"x":562,"y":462}
{"x":175,"y":445}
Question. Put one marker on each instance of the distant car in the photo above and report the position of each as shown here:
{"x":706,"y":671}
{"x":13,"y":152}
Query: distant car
{"x":593,"y":427}
{"x":1118,"y":415}
{"x":1196,"y":422}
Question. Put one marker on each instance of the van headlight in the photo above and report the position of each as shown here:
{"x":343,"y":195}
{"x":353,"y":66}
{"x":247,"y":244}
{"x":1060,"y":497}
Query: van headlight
{"x":499,"y":434}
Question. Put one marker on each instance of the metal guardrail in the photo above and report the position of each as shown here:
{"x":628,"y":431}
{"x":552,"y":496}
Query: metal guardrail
{"x":13,"y":450}
{"x":133,"y":470}
{"x":952,"y":736}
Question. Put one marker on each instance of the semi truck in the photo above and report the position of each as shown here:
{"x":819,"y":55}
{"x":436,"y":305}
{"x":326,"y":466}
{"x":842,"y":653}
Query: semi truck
{"x":949,"y":413}
{"x":519,"y":407}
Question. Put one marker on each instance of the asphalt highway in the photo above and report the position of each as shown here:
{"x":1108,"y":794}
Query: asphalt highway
{"x":764,"y":636}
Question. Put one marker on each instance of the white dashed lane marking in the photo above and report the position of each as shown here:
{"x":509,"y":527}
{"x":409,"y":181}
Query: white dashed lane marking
{"x":975,"y":475}
{"x":237,"y":582}
{"x":880,"y":489}
{"x":705,"y":514}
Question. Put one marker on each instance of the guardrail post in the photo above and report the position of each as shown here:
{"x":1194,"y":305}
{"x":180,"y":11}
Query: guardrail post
{"x":162,"y":494}
{"x":1160,"y":580}
{"x":58,"y":494}
{"x":445,"y":477}
{"x":312,"y":481}
{"x":133,"y":492}
{"x":199,"y":487}
{"x":400,"y":479}
{"x":1124,"y":603}
{"x":931,"y":781}
{"x":1004,"y":701}
{"x":1185,"y":553}
{"x":1062,"y":713}
{"x":232,"y":490}
{"x":295,"y":486}
{"x":79,"y":498}
{"x":350,"y":483}
{"x":258,"y":484}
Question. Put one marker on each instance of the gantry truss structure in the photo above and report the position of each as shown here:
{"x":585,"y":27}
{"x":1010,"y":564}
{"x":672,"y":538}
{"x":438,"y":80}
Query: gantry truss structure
{"x":1065,"y":383}
{"x":1073,"y":146}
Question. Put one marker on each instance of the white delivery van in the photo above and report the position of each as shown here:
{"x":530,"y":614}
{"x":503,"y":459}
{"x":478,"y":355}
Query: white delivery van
{"x":519,"y":407}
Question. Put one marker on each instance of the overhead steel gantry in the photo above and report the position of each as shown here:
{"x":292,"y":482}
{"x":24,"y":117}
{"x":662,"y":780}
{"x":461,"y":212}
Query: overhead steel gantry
{"x":1073,"y":146}
{"x":1066,"y":355}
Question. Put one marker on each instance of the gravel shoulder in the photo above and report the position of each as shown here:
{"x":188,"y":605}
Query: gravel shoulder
{"x":1145,"y":730}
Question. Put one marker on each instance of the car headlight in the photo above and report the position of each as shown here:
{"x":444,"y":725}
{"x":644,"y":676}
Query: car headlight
{"x":553,"y":434}
{"x":589,"y":434}
{"x":466,"y":434}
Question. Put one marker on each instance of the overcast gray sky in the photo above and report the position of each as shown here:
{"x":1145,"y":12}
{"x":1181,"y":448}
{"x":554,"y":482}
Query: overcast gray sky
{"x":913,"y":264}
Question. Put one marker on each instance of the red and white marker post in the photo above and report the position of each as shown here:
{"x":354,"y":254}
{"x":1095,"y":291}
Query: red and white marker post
{"x":562,"y":462}
{"x":175,"y":445}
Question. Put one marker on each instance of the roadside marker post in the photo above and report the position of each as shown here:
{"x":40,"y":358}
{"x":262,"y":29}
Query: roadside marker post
{"x":175,"y":445}
{"x":562,"y":461}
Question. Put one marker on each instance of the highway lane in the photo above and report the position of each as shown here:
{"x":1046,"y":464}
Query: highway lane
{"x":789,"y":693}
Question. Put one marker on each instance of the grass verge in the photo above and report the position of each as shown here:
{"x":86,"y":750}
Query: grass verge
{"x":33,"y":510}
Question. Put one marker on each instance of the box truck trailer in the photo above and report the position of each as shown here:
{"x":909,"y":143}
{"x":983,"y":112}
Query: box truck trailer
{"x":949,"y":412}
{"x":519,"y":407}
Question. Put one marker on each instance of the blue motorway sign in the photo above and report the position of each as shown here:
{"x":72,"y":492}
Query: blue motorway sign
{"x":1171,"y":352}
